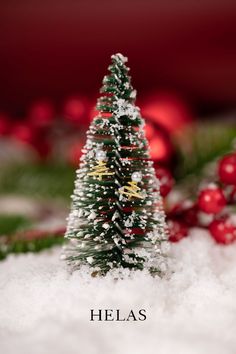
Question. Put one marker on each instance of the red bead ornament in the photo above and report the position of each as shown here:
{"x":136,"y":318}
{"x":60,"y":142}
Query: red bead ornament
{"x":223,"y":230}
{"x":177,"y":230}
{"x":211,"y":200}
{"x":166,"y":180}
{"x":227,"y":169}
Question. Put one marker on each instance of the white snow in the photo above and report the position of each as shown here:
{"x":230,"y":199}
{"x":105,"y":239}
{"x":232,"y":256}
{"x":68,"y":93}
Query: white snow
{"x":124,"y":108}
{"x":44,"y":309}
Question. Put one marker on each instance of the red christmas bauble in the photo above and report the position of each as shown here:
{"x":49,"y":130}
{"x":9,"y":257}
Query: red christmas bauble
{"x":149,"y":130}
{"x":177,"y":230}
{"x":166,"y":180}
{"x":227,"y":169}
{"x":41,"y":113}
{"x":168,"y":110}
{"x":223,"y":230}
{"x":23,"y":132}
{"x":75,"y":109}
{"x":211,"y":200}
{"x":4,"y":124}
{"x":160,"y":147}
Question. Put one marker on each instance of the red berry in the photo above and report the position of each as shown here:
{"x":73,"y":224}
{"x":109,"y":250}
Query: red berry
{"x":227,"y":169}
{"x":177,"y":230}
{"x":211,"y":200}
{"x":191,"y":215}
{"x":187,"y":212}
{"x":223,"y":230}
{"x":166,"y":180}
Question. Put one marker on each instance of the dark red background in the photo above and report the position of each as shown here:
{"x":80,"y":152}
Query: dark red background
{"x":57,"y":47}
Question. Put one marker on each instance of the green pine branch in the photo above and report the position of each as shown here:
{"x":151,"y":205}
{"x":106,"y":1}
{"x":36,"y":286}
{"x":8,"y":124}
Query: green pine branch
{"x":200,"y":145}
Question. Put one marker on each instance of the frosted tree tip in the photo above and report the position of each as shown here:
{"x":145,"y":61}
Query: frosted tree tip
{"x":119,"y":57}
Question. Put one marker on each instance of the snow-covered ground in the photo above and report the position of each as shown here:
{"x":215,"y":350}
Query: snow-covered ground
{"x":43,"y":309}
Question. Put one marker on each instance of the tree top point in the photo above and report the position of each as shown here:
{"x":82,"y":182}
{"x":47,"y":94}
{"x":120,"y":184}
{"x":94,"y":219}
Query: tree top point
{"x":119,"y":57}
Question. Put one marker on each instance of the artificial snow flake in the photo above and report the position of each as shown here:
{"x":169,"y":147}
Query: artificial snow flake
{"x":106,"y":226}
{"x":115,"y":216}
{"x":121,"y":57}
{"x":124,"y":108}
{"x":133,"y":94}
{"x":130,"y":220}
{"x":90,"y":260}
{"x":92,"y":215}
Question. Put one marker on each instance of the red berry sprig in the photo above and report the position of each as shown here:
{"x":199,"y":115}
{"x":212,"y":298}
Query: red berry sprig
{"x":211,"y":203}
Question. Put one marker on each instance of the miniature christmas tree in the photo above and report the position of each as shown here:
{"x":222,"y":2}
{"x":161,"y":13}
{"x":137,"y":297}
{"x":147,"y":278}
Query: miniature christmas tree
{"x":116,"y":220}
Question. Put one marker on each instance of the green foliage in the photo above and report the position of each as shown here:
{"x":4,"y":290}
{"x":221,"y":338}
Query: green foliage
{"x":17,"y":237}
{"x":37,"y":180}
{"x":200,"y":145}
{"x":12,"y":223}
{"x":22,"y":243}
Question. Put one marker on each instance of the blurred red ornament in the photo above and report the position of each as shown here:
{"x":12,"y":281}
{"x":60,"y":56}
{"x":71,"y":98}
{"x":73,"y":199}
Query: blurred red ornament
{"x":92,"y":111}
{"x":149,"y":130}
{"x":76,"y":109}
{"x":161,"y":149}
{"x":227,"y":169}
{"x":23,"y":132}
{"x":41,"y":113}
{"x":223,"y":230}
{"x":211,"y":200}
{"x":191,"y":216}
{"x":74,"y":154}
{"x":177,"y":230}
{"x":168,"y":110}
{"x":186,"y":212}
{"x":4,"y":124}
{"x":166,"y":180}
